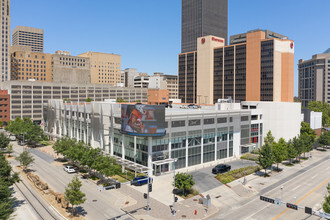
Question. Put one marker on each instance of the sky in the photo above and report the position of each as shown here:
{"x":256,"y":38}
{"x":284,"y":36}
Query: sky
{"x":147,"y":33}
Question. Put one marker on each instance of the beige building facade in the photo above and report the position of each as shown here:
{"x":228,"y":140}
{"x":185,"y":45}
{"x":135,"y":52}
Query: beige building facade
{"x":33,"y":66}
{"x":70,"y":69}
{"x":104,"y":68}
{"x":257,"y":69}
{"x":5,"y":39}
{"x":29,"y":36}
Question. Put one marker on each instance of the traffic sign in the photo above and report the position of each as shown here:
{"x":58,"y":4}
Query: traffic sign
{"x":308,"y":210}
{"x":277,"y":201}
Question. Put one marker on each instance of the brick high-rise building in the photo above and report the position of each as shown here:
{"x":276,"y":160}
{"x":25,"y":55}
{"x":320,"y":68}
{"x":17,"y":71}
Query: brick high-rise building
{"x":260,"y":68}
{"x":29,"y":65}
{"x":29,"y":36}
{"x":5,"y":39}
{"x":202,"y":18}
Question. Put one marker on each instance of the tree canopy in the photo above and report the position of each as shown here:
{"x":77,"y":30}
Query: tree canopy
{"x":73,"y":194}
{"x":324,"y":139}
{"x":4,"y":141}
{"x":184,"y":181}
{"x":7,"y":179}
{"x":326,"y":204}
{"x":81,"y":154}
{"x":88,"y":100}
{"x":32,"y":132}
{"x":265,"y":158}
{"x":280,"y":151}
{"x":25,"y":159}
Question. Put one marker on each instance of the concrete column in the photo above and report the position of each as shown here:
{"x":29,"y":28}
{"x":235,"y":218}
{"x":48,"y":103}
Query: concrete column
{"x":150,"y":156}
{"x":122,"y":151}
{"x":215,"y":145}
{"x":187,"y":152}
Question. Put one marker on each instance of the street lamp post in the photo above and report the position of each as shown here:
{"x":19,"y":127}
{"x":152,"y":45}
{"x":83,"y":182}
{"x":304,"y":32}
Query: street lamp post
{"x":173,"y":163}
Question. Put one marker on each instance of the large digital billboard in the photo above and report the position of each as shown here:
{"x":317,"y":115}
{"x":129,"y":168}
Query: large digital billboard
{"x":143,"y":120}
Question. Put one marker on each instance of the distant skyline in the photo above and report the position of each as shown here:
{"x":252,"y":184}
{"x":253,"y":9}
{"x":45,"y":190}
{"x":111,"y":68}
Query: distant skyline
{"x":147,"y":34}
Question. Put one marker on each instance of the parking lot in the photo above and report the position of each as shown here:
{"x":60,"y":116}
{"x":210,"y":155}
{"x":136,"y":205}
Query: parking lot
{"x":204,"y":179}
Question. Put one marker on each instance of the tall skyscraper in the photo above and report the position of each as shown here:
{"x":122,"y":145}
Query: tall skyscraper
{"x":260,"y":68}
{"x":29,"y":36}
{"x":314,"y":79}
{"x":202,"y":18}
{"x":5,"y":39}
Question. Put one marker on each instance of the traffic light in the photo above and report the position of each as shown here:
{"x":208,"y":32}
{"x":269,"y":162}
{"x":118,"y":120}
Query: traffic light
{"x":118,"y":185}
{"x":150,"y":187}
{"x":308,"y":210}
{"x":176,"y":199}
{"x":267,"y":199}
{"x":145,"y":195}
{"x":292,"y":206}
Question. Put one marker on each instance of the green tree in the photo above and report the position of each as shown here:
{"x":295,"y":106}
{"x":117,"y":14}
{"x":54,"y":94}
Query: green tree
{"x":306,"y":129}
{"x":88,"y":100}
{"x":7,"y":178}
{"x":9,"y":149}
{"x":265,"y":158}
{"x":326,"y":204}
{"x":66,"y":100}
{"x":307,"y":142}
{"x":4,"y":141}
{"x":1,"y":123}
{"x":324,"y":139}
{"x":25,"y":159}
{"x":269,"y":139}
{"x":184,"y":181}
{"x":33,"y":134}
{"x":119,"y":100}
{"x":321,"y":107}
{"x":89,"y":156}
{"x":291,"y":151}
{"x":63,"y":145}
{"x":298,"y":146}
{"x":280,"y":151}
{"x":73,"y":194}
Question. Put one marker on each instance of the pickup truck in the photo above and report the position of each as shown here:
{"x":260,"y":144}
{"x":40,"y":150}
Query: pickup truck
{"x":69,"y":169}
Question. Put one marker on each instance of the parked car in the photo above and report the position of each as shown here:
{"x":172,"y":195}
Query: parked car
{"x":193,"y":106}
{"x":141,"y":180}
{"x":21,"y":143}
{"x":69,"y":169}
{"x":184,"y":106}
{"x":221,"y":168}
{"x":12,"y":138}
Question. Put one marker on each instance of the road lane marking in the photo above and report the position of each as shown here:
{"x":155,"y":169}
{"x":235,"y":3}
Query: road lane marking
{"x":313,"y":190}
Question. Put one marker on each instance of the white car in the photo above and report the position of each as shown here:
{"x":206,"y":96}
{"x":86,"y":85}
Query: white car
{"x":184,"y":106}
{"x":69,"y":169}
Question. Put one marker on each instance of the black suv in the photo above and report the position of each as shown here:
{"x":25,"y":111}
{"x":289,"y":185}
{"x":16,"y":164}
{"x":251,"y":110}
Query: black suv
{"x":221,"y":168}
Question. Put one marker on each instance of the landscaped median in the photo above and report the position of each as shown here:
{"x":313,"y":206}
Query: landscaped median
{"x":236,"y":174}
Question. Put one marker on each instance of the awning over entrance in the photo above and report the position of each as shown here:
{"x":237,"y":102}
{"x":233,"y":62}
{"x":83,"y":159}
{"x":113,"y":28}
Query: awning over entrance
{"x":131,"y":165}
{"x":161,"y":162}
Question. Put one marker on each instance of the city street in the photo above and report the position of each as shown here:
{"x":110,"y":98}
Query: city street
{"x":303,"y":184}
{"x":99,"y":205}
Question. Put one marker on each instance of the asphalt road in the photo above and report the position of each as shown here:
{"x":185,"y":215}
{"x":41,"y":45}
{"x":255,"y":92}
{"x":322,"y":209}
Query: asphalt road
{"x":204,"y":178}
{"x":99,"y":205}
{"x":306,"y":187}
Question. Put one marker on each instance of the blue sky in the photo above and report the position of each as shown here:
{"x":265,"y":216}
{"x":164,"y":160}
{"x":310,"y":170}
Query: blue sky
{"x":147,"y":33}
